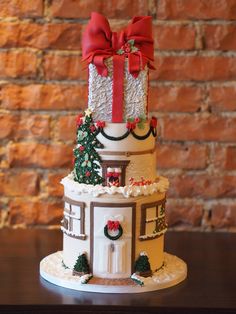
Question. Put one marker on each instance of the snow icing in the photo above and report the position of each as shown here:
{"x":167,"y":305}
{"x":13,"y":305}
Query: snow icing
{"x":161,"y":185}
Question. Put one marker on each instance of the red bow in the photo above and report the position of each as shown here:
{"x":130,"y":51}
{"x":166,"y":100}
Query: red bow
{"x":113,"y":225}
{"x":100,"y":43}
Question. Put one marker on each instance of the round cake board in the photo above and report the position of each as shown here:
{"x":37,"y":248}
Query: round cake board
{"x":174,"y":271}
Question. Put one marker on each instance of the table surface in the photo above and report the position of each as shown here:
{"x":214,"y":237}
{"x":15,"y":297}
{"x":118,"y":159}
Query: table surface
{"x":209,"y":288}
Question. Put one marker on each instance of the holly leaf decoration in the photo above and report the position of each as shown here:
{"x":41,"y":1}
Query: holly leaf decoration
{"x":82,"y":135}
{"x":120,"y":52}
{"x":131,"y":42}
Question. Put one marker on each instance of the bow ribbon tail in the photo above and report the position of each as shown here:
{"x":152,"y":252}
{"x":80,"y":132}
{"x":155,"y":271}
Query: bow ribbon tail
{"x":118,"y":88}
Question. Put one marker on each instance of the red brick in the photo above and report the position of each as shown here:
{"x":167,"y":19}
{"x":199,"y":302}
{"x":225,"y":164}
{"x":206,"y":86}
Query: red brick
{"x":24,"y":126}
{"x":199,"y":128}
{"x":194,"y":10}
{"x":41,"y":97}
{"x":220,"y":37}
{"x":8,"y":124}
{"x":33,"y":126}
{"x":67,"y":128}
{"x":189,"y":214}
{"x":19,"y":184}
{"x":203,"y":186}
{"x":18,"y":64}
{"x":70,"y":68}
{"x":225,"y":157}
{"x":21,"y":8}
{"x":55,"y":188}
{"x":41,"y":36}
{"x":9,"y":34}
{"x":174,"y":37}
{"x":222,"y":98}
{"x":175,"y":98}
{"x":180,"y":156}
{"x":196,"y":68}
{"x":223,"y":216}
{"x":40,"y":155}
{"x":111,"y":9}
{"x":34,"y":213}
{"x":53,"y":36}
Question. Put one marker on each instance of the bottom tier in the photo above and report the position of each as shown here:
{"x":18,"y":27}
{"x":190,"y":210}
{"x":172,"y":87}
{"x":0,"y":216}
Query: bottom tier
{"x":111,"y":236}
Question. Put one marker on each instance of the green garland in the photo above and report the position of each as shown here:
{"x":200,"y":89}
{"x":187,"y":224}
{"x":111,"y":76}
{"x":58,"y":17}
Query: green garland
{"x":120,"y":232}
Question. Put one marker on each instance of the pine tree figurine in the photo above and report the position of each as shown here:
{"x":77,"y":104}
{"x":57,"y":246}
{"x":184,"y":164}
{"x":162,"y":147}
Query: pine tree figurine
{"x":142,"y":265}
{"x":87,"y":161}
{"x":81,"y":266}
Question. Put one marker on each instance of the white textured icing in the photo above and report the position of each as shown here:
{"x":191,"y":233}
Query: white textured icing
{"x":100,"y":93}
{"x":127,"y":191}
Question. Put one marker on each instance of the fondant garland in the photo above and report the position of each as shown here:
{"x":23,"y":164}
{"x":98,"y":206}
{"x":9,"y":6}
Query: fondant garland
{"x":151,"y":130}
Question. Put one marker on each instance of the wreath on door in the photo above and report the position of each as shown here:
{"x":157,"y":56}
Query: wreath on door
{"x":113,"y":230}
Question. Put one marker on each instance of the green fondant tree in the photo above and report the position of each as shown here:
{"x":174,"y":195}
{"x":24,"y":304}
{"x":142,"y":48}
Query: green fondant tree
{"x":142,"y":264}
{"x":87,"y":161}
{"x":81,"y":265}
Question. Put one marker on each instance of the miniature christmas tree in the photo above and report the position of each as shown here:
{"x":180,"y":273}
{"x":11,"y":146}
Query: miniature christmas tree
{"x":87,"y":160}
{"x":81,"y":266}
{"x":142,"y":265}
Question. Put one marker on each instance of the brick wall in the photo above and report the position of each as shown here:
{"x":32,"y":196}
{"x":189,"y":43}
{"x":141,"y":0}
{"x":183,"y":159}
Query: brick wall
{"x":193,"y":93}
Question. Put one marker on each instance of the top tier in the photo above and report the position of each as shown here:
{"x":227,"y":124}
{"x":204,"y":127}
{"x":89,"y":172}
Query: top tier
{"x":118,"y":68}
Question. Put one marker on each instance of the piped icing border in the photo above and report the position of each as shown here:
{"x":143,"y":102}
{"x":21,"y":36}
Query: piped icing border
{"x":161,"y":185}
{"x":151,"y":130}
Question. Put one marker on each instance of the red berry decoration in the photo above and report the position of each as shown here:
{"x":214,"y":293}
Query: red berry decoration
{"x":81,"y":148}
{"x":130,"y":125}
{"x":79,"y":120}
{"x":153,"y":122}
{"x":92,"y":128}
{"x":100,"y":124}
{"x":87,"y":173}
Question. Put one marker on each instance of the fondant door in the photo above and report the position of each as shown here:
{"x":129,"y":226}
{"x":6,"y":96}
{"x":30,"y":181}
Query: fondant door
{"x":112,"y":258}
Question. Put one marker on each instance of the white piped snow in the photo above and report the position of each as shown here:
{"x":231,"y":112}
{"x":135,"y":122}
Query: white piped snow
{"x":161,"y":186}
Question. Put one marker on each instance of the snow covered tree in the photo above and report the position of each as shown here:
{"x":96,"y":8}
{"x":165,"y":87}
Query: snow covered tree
{"x":142,"y":265}
{"x":87,"y":160}
{"x":81,"y":266}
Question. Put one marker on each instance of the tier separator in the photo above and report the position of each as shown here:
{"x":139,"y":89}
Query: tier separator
{"x":126,"y":153}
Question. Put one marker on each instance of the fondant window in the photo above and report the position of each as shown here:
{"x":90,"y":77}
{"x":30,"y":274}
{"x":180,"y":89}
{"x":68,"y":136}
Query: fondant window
{"x":153,"y":223}
{"x":74,"y":219}
{"x":114,"y":171}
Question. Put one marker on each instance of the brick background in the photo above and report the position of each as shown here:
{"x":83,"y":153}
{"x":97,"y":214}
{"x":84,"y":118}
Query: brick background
{"x":192,"y":92}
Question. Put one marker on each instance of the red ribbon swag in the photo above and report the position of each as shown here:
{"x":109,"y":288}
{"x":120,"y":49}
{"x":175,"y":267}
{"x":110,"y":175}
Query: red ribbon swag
{"x":100,"y":43}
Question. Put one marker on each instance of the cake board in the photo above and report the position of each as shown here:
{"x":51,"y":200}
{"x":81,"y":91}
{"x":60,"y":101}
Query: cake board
{"x":173,"y":272}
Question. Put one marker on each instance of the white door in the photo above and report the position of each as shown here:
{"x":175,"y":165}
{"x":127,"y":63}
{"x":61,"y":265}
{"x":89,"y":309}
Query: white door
{"x":112,"y":258}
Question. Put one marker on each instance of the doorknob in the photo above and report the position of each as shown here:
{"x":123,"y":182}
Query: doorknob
{"x":112,"y":247}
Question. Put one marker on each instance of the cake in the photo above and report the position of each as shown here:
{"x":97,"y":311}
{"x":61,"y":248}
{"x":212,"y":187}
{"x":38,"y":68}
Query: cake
{"x":114,"y":215}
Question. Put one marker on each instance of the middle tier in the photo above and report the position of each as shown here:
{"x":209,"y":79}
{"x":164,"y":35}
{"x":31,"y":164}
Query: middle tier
{"x":127,"y":153}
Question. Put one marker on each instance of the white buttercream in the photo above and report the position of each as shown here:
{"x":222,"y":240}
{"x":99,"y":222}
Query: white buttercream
{"x":161,"y":185}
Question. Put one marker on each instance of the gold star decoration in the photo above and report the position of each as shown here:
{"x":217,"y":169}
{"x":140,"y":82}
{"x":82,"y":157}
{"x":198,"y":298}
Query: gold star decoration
{"x":88,"y":112}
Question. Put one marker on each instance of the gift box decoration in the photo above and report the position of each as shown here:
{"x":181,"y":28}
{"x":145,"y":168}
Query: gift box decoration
{"x":118,"y":66}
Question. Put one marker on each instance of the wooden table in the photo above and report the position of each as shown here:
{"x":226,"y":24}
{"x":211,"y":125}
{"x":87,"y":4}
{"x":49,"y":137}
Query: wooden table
{"x":209,"y":288}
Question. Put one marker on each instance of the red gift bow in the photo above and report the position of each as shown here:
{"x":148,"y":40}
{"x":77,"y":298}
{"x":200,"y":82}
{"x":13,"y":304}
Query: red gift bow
{"x":113,"y":225}
{"x":100,"y":43}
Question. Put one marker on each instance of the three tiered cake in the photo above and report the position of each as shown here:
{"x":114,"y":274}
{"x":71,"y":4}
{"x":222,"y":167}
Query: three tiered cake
{"x":114,"y":215}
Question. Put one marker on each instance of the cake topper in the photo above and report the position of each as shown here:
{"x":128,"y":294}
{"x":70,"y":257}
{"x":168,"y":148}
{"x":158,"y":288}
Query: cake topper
{"x":133,"y":43}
